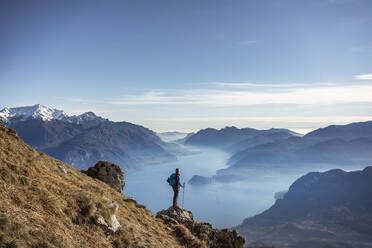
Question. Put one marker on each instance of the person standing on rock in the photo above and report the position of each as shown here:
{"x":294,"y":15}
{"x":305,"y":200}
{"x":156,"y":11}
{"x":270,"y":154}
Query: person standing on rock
{"x":174,"y":181}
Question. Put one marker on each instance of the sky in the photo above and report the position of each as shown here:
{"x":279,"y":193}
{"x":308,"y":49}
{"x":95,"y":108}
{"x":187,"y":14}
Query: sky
{"x":186,"y":65}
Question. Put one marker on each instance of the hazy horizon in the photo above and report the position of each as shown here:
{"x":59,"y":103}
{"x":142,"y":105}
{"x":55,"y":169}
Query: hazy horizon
{"x":320,"y":124}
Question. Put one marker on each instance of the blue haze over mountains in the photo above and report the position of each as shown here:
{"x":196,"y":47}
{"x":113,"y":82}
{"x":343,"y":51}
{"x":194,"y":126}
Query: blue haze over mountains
{"x":315,"y":212}
{"x":82,"y":140}
{"x":343,"y":145}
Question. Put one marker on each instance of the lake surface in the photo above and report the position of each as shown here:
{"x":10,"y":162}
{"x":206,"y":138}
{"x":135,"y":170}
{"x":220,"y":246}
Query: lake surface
{"x":222,"y":204}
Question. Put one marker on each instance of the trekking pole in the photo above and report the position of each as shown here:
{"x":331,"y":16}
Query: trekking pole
{"x":183,"y":195}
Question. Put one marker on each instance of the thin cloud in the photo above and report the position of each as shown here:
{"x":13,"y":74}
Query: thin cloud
{"x":313,"y":95}
{"x":363,"y":77}
{"x":247,"y":85}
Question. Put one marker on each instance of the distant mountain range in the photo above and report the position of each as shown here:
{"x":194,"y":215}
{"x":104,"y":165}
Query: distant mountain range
{"x":19,"y":114}
{"x":84,"y":139}
{"x":235,"y":139}
{"x":343,"y":144}
{"x":340,"y":145}
{"x":330,"y":209}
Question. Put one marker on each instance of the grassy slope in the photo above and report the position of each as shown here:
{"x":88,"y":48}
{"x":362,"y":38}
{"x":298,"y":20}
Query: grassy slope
{"x":40,"y":206}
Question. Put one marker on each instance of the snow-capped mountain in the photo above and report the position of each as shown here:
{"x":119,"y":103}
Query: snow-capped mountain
{"x":38,"y":111}
{"x":82,"y":140}
{"x":87,"y":118}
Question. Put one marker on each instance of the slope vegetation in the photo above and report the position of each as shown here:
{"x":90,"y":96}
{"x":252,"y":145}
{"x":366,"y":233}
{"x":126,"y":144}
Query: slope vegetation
{"x":45,"y":203}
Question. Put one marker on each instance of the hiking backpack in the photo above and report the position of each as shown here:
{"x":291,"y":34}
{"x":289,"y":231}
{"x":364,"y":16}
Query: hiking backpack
{"x":172,"y":180}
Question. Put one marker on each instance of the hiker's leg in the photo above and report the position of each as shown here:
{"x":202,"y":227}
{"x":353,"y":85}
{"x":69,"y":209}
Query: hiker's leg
{"x":175,"y":196}
{"x":177,"y":190}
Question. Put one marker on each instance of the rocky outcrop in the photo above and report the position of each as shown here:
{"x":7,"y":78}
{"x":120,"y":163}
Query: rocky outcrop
{"x":175,"y":216}
{"x":109,"y":173}
{"x":196,"y":234}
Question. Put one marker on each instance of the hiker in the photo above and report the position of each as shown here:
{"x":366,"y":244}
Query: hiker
{"x":174,"y":181}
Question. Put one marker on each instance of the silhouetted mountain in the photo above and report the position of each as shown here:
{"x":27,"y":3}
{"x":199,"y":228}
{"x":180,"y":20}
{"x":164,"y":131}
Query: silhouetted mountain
{"x":123,"y":143}
{"x":283,"y":151}
{"x":352,"y":146}
{"x":84,"y":139}
{"x":220,"y":138}
{"x":232,"y":138}
{"x":333,"y":208}
{"x":259,"y":139}
{"x":346,"y":132}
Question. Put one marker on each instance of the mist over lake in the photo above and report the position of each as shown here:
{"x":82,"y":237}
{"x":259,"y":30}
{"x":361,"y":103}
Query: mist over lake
{"x":222,"y":204}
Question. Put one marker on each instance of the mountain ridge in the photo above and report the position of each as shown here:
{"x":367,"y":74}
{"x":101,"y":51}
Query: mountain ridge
{"x":45,"y":113}
{"x":226,"y":137}
{"x":332,"y":207}
{"x":335,"y":146}
{"x":81,"y":140}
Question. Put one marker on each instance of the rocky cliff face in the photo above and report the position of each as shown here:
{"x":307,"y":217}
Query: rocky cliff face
{"x":196,"y":234}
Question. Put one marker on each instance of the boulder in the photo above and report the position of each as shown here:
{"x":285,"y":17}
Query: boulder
{"x":110,"y":224}
{"x":191,"y":233}
{"x":62,"y":169}
{"x":109,"y":173}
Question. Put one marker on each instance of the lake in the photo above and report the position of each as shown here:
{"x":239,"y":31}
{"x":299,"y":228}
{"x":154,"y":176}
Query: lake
{"x":221,"y":204}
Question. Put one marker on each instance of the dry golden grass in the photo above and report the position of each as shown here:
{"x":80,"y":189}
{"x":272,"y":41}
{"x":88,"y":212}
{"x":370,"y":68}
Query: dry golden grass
{"x":186,"y":238}
{"x":41,"y":206}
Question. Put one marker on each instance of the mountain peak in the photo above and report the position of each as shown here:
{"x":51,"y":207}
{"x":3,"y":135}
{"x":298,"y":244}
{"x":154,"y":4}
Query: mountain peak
{"x":36,"y":111}
{"x":45,"y":113}
{"x":86,"y":117}
{"x":229,"y":127}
